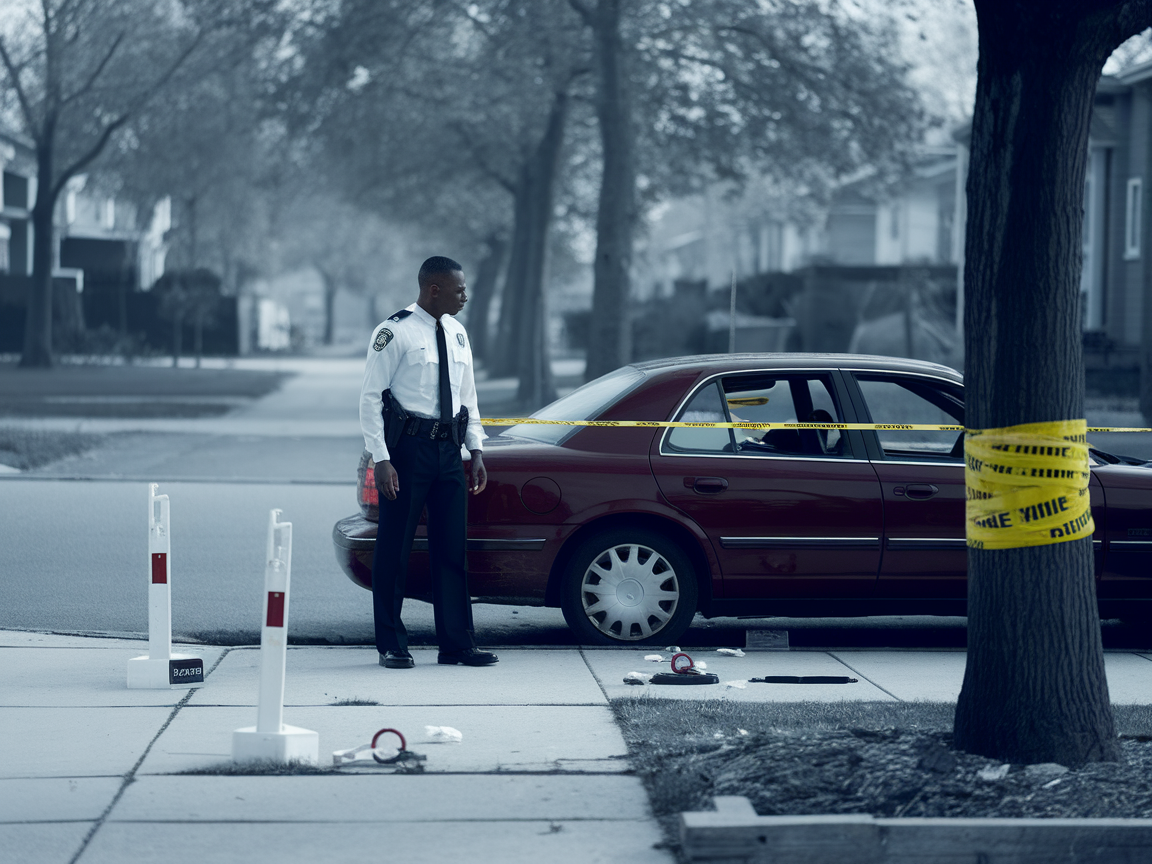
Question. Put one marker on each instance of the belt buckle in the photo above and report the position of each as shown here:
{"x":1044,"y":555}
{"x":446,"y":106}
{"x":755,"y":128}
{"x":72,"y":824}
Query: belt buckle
{"x":435,"y":429}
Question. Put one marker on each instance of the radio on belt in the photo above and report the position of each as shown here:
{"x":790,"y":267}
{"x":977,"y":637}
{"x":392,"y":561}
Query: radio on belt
{"x":160,"y":668}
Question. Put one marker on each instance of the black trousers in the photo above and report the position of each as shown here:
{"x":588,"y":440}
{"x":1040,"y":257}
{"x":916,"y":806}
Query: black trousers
{"x":432,"y":473}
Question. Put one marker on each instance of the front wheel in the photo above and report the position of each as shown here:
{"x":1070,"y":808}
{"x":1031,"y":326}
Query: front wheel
{"x":629,"y":587}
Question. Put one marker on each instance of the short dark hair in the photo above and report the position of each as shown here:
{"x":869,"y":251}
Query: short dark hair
{"x":437,"y":265}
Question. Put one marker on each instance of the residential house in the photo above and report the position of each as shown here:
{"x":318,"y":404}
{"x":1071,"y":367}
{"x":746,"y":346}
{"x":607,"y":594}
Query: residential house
{"x":102,"y":252}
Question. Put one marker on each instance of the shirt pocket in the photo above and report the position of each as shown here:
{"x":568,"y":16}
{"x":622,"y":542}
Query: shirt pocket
{"x":460,"y":357}
{"x":422,"y":367}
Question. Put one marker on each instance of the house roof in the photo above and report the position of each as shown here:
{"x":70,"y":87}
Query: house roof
{"x":1138,"y":73}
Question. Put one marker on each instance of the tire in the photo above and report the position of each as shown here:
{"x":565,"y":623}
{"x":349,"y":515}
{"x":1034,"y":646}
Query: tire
{"x":655,"y":593}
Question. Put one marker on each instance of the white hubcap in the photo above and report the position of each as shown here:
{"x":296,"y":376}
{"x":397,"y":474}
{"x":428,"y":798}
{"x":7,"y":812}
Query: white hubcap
{"x":629,"y":592}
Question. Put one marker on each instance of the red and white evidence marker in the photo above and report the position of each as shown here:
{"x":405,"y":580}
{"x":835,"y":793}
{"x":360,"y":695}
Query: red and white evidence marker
{"x":271,"y":739}
{"x":160,"y":668}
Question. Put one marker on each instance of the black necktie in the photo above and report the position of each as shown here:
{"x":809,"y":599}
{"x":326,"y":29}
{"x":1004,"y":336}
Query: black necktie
{"x":445,"y":382}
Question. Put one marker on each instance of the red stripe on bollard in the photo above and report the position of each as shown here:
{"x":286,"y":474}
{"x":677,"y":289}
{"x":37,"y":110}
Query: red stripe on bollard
{"x":159,"y":568}
{"x":275,"y":609}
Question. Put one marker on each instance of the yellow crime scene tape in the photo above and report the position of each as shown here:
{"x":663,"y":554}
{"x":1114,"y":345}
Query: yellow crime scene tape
{"x":662,"y":424}
{"x":1027,"y":485}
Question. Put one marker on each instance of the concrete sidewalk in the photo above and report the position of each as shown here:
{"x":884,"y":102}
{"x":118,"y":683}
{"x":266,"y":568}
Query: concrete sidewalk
{"x":93,"y":772}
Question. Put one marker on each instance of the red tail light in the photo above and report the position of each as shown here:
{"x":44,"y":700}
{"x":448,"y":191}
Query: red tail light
{"x":369,"y":497}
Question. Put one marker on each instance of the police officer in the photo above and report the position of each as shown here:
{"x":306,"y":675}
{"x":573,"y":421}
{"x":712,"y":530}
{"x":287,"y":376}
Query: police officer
{"x":417,"y":406}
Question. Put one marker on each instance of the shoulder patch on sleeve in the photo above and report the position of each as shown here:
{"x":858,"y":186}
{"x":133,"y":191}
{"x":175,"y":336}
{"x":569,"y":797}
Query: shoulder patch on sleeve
{"x":382,"y":339}
{"x":460,"y":339}
{"x":401,"y":315}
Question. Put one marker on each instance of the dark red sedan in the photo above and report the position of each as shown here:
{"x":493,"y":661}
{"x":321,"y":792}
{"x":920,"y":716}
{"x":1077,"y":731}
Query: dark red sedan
{"x":631,"y":531}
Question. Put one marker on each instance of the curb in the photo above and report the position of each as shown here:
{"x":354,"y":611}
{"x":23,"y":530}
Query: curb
{"x":734,"y":834}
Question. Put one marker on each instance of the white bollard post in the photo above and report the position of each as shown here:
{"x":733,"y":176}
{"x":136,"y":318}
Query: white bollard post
{"x":160,"y":668}
{"x":272,"y":739}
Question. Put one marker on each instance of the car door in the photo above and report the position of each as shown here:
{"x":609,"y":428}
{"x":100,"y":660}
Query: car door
{"x":921,"y":477}
{"x":790,"y":513}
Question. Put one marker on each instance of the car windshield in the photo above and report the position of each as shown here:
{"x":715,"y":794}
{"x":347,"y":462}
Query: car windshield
{"x":583,"y":403}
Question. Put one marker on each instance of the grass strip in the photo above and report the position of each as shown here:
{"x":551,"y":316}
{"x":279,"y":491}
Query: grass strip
{"x":26,"y":449}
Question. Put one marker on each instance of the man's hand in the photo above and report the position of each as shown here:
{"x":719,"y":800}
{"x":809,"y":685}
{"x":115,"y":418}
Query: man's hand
{"x":387,"y":481}
{"x":477,"y":473}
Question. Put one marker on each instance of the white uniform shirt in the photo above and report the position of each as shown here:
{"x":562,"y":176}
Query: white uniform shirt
{"x":403,"y":358}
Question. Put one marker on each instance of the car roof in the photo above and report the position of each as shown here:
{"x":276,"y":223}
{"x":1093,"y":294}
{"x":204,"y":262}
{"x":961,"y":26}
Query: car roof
{"x":792,"y":360}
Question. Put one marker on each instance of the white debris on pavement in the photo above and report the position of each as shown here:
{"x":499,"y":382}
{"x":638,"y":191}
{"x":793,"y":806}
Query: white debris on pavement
{"x":993,"y":772}
{"x":642,"y":677}
{"x":444,"y":734}
{"x":362,"y":755}
{"x":742,"y":732}
{"x":673,"y":649}
{"x":739,"y":685}
{"x":731,"y":652}
{"x":700,"y":664}
{"x":654,"y":658}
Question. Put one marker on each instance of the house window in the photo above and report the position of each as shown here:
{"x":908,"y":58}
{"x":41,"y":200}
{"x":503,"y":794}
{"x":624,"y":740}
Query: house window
{"x":1132,"y":218}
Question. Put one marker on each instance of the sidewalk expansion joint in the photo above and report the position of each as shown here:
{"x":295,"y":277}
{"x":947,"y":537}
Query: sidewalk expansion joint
{"x":130,"y":776}
{"x":595,"y":677}
{"x":866,"y":678}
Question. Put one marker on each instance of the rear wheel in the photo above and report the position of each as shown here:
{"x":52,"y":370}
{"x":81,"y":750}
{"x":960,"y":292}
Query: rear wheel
{"x":629,"y":587}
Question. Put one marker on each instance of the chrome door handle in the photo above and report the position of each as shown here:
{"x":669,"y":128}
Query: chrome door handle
{"x":710,"y":485}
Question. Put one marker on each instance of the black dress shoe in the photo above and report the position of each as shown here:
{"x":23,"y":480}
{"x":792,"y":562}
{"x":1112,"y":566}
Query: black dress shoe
{"x":397,"y":660}
{"x":471,"y":657}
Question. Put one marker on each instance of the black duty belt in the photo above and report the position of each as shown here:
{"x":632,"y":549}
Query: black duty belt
{"x":421,"y":427}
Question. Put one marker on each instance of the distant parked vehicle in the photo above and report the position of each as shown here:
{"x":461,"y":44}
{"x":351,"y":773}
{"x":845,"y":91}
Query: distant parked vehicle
{"x":632,"y":530}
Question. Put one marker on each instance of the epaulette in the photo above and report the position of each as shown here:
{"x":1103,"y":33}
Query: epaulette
{"x":401,"y":315}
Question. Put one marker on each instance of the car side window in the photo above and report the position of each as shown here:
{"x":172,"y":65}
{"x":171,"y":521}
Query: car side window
{"x":788,"y":398}
{"x":704,"y":407}
{"x":898,"y":400}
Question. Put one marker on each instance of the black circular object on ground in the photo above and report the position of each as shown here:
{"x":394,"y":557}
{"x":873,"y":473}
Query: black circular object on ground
{"x":679,"y":678}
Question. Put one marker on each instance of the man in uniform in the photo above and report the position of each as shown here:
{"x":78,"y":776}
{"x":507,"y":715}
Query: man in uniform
{"x":417,"y":407}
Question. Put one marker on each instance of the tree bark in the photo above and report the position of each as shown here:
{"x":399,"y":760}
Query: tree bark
{"x":482,"y":292}
{"x":504,"y":354}
{"x":38,"y":314}
{"x":616,"y":217}
{"x":177,"y":339}
{"x":1034,"y":688}
{"x":522,"y":348}
{"x":329,"y":302}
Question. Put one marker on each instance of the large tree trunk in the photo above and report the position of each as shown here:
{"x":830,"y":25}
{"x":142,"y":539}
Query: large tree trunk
{"x":329,"y":303}
{"x":1034,"y":688}
{"x":198,"y":337}
{"x":616,"y":217}
{"x":504,"y":354}
{"x":38,"y":315}
{"x":522,"y":348}
{"x":482,"y":291}
{"x":177,"y":339}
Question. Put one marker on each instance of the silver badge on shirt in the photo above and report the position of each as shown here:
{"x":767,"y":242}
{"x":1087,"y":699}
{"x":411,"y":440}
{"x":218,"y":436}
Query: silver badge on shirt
{"x":382,"y":339}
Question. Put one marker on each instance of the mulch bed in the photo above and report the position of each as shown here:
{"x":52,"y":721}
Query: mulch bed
{"x":890,"y":772}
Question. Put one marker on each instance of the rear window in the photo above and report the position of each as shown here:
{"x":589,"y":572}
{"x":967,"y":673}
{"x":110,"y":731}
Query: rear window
{"x":583,"y":403}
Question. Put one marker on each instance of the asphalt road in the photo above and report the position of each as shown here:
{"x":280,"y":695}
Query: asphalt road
{"x":73,"y":558}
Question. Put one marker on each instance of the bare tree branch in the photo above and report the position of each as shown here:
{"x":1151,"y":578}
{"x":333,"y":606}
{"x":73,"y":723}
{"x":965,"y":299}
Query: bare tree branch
{"x":584,"y":11}
{"x":87,"y":85}
{"x":21,"y":94}
{"x":102,"y":141}
{"x":92,"y":152}
{"x":480,"y":159}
